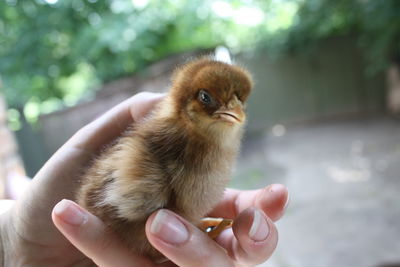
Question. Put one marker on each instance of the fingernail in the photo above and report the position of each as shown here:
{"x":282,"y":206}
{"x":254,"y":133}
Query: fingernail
{"x":279,"y":187}
{"x":259,"y":230}
{"x":169,"y":228}
{"x":69,"y":212}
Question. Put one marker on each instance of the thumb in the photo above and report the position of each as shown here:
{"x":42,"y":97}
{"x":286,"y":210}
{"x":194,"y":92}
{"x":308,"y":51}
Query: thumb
{"x":92,"y":237}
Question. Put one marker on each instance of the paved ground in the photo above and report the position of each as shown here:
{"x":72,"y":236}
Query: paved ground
{"x":344,"y":182}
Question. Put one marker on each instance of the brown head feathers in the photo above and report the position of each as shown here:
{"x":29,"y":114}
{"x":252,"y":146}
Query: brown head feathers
{"x":220,"y":80}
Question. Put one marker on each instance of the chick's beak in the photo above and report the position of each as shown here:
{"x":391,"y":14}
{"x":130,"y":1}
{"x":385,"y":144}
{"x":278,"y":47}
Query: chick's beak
{"x":232,"y":115}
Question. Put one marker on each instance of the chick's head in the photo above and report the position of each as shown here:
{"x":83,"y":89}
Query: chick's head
{"x":211,"y":94}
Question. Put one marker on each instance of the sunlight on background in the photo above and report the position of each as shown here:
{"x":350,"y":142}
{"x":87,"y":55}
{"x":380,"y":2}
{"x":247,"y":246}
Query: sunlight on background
{"x":278,"y":130}
{"x":279,"y":14}
{"x":250,"y":16}
{"x":51,"y":1}
{"x":140,"y":3}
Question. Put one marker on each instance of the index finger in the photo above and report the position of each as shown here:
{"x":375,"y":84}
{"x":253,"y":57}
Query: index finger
{"x":272,"y":200}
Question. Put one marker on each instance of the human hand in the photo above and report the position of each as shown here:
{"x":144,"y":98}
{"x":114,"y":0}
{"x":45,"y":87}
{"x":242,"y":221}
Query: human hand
{"x":29,"y":237}
{"x":251,"y":241}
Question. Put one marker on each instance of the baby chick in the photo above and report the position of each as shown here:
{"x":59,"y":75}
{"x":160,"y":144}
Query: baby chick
{"x":179,"y":158}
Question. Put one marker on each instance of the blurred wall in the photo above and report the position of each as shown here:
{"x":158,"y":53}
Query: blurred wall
{"x":328,"y":82}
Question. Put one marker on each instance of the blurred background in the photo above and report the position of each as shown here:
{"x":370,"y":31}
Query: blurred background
{"x":323,"y":118}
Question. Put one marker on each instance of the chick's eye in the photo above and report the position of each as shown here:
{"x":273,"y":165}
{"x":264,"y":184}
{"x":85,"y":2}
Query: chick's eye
{"x":205,"y":97}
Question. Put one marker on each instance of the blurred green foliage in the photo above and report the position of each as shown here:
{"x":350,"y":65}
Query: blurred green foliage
{"x":45,"y":44}
{"x":53,"y":53}
{"x":375,"y":25}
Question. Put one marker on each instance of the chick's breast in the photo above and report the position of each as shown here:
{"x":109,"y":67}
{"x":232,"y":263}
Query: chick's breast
{"x":158,"y":165}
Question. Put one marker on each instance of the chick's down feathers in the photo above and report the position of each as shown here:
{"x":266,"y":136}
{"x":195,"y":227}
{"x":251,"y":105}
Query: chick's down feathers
{"x":179,"y":158}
